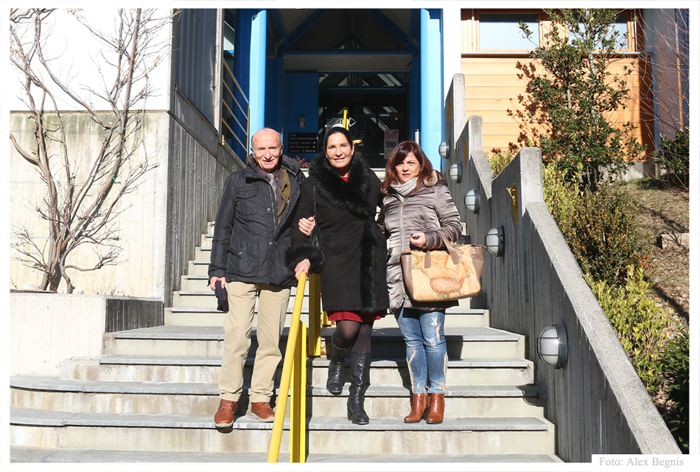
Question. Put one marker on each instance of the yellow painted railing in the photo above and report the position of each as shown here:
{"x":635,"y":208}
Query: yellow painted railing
{"x":294,"y":372}
{"x":293,"y":360}
{"x":315,"y":320}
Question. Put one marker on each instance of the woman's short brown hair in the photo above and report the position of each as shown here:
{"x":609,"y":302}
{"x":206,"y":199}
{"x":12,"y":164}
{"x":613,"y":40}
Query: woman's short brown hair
{"x":398,"y":155}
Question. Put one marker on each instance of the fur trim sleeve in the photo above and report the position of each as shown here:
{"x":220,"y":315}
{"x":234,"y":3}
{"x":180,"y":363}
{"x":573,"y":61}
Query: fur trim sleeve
{"x":296,"y":254}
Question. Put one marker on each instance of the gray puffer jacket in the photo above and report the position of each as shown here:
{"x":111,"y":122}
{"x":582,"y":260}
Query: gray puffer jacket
{"x":428,"y":209}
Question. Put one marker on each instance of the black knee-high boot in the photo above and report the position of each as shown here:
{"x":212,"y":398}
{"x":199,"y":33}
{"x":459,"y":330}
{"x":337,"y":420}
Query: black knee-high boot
{"x":359,"y":381}
{"x":334,"y":384}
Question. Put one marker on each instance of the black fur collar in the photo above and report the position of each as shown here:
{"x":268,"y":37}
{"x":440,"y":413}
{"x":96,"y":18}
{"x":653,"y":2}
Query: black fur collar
{"x":351,"y":195}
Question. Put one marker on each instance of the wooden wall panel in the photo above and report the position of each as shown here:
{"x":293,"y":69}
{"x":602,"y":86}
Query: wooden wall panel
{"x":495,"y":86}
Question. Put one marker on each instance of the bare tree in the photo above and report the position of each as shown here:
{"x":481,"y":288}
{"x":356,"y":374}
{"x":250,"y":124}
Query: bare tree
{"x":84,"y":186}
{"x":665,"y":75}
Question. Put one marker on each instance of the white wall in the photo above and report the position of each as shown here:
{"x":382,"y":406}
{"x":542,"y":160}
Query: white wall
{"x":46,"y":329}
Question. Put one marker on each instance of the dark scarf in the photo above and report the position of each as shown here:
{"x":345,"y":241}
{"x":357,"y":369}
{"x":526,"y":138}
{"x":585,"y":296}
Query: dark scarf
{"x":352,"y":197}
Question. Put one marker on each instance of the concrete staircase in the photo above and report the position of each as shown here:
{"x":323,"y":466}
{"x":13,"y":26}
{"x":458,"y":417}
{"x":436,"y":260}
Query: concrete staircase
{"x":152,"y":395}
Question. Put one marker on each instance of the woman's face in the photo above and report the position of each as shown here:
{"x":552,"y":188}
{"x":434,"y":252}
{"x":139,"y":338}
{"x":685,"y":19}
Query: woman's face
{"x":339,"y":152}
{"x":408,"y":168}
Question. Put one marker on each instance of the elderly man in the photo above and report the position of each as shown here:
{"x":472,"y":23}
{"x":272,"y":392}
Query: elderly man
{"x":251,"y":235}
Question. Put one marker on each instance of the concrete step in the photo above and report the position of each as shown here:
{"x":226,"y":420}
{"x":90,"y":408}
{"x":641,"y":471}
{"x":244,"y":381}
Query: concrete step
{"x":200,"y":282}
{"x":210,"y":316}
{"x":52,"y":393}
{"x":386,"y":342}
{"x":460,"y":372}
{"x":387,"y":371}
{"x":203,"y":253}
{"x":206,"y":298}
{"x":198,"y":267}
{"x":193,"y":316}
{"x":23,"y":454}
{"x":194,"y":282}
{"x":194,"y":433}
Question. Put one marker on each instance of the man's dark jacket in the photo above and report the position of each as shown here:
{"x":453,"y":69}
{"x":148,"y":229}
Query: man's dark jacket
{"x":249,"y":243}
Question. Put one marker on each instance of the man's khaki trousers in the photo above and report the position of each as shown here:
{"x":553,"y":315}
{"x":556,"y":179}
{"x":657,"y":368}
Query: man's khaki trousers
{"x":272,"y":310}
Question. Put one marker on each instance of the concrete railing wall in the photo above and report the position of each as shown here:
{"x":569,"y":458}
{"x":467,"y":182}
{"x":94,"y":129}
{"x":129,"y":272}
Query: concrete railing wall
{"x":597,"y":401}
{"x":197,"y":167}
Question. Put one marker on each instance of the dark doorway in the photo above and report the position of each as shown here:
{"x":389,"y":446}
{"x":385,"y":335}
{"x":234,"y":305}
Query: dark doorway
{"x":375,"y":103}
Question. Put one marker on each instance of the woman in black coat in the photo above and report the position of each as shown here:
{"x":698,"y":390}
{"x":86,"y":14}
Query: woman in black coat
{"x":353,"y":277}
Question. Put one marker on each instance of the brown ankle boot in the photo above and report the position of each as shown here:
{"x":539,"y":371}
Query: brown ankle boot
{"x":437,"y":408}
{"x":420,"y":406}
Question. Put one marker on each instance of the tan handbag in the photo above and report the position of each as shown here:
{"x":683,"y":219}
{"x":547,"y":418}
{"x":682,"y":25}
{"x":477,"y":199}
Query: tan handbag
{"x":443,"y":274}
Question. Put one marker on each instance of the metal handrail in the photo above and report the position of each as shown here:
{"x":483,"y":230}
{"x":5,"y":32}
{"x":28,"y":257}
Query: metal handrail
{"x":293,"y":360}
{"x":246,"y":113}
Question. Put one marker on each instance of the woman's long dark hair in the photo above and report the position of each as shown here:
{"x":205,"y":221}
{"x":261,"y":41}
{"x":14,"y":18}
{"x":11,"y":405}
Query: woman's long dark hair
{"x":398,"y":155}
{"x":334,"y":130}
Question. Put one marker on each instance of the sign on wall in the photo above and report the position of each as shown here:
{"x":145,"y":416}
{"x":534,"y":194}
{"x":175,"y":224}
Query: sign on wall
{"x":301,"y":142}
{"x":391,"y":140}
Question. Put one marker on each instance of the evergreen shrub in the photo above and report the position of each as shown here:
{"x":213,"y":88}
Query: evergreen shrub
{"x":599,"y":227}
{"x":499,"y":161}
{"x":676,"y":374}
{"x":641,"y":325}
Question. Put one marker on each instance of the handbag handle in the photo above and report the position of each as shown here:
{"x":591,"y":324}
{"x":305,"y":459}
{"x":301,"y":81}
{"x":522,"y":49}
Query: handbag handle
{"x":450,"y":249}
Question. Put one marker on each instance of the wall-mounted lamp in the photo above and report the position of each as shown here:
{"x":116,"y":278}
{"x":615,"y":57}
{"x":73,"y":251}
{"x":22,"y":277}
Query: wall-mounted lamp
{"x":552,"y":345}
{"x":456,"y":172}
{"x":495,"y":241}
{"x":444,"y":149}
{"x":472,"y":200}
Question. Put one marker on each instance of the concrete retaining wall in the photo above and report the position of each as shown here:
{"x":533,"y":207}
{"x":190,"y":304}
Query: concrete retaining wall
{"x":597,"y":401}
{"x":140,"y":225}
{"x":48,"y":328}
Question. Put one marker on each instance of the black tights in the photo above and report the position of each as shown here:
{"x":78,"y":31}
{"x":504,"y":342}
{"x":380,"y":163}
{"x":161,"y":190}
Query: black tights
{"x":348,"y":332}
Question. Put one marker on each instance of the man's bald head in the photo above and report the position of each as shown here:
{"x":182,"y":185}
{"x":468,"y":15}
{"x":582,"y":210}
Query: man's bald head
{"x":267,"y":148}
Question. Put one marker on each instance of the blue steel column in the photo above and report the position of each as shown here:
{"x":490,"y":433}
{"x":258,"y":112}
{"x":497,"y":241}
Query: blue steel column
{"x":258,"y":49}
{"x":431,"y":96}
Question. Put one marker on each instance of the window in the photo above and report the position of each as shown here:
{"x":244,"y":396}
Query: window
{"x":620,"y":27}
{"x":501,"y":31}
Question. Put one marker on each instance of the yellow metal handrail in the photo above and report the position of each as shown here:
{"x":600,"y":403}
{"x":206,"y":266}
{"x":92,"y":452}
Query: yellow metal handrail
{"x":293,"y":360}
{"x":294,"y":371}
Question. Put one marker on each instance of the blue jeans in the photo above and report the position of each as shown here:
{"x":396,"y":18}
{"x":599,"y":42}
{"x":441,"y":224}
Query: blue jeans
{"x":426,"y":349}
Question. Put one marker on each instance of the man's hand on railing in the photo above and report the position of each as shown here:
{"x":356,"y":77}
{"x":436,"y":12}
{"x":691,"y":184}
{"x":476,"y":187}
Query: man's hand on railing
{"x":302,"y":267}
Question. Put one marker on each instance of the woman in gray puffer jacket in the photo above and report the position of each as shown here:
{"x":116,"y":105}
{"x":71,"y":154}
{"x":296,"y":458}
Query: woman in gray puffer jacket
{"x":416,"y":205}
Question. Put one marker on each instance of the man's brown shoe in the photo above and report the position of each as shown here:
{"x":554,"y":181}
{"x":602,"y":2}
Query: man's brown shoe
{"x":224,"y":415}
{"x":263,"y":411}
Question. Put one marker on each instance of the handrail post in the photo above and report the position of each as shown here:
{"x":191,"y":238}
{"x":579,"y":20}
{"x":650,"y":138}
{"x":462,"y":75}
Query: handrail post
{"x":276,"y":438}
{"x":314,"y":347}
{"x":247,"y":132}
{"x":297,"y":412}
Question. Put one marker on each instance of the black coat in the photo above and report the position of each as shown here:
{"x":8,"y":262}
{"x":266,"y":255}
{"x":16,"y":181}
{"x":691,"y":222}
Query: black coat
{"x":249,"y":244}
{"x":354,"y":274}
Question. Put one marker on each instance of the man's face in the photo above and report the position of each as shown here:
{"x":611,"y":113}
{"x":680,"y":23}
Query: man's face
{"x":267,"y":149}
